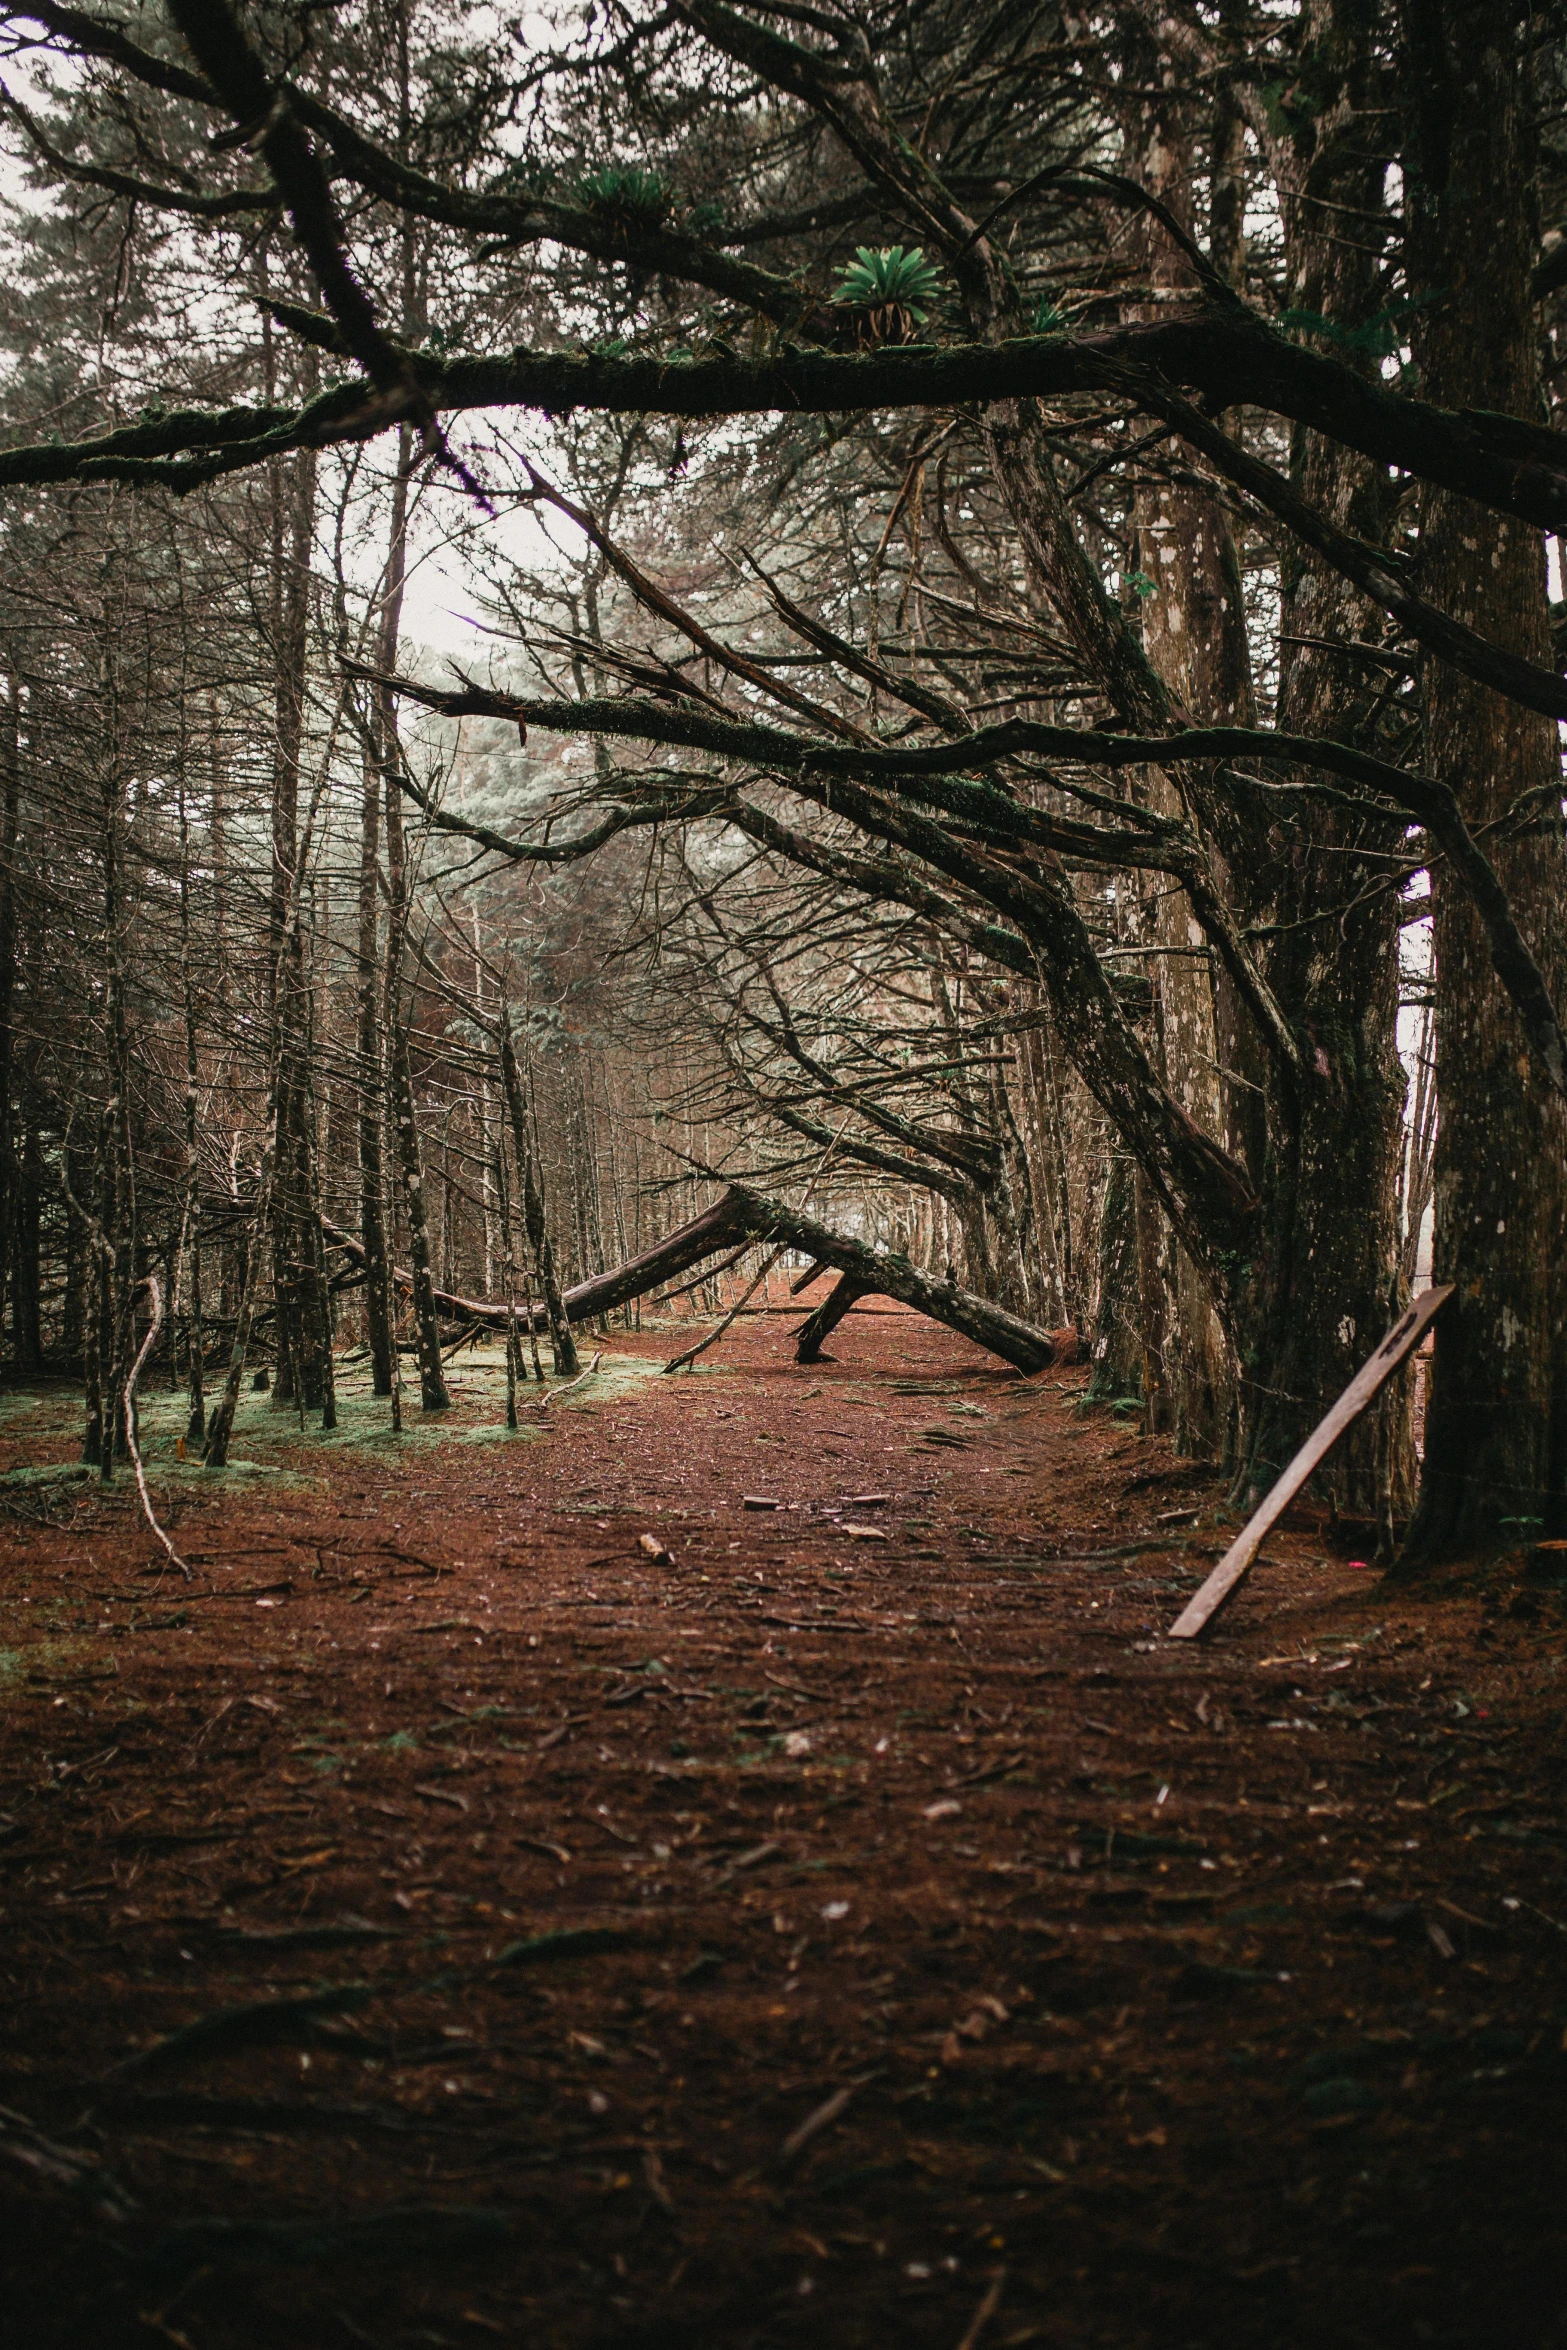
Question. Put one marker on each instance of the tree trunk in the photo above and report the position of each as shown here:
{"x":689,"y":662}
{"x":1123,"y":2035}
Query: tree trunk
{"x":1193,"y":630}
{"x":221,"y":1428}
{"x":1329,"y":1266}
{"x":742,"y":1214}
{"x":117,"y":1212}
{"x":564,"y":1345}
{"x":404,"y":1116}
{"x":433,"y":1393}
{"x":292,"y":526}
{"x":190,"y":1221}
{"x":372,"y":1094}
{"x":405,"y":1123}
{"x":1117,"y":1350}
{"x":1495,"y":1471}
{"x":840,"y":1300}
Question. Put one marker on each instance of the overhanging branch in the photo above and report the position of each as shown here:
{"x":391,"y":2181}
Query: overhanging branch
{"x":1420,"y":798}
{"x":1501,"y":461}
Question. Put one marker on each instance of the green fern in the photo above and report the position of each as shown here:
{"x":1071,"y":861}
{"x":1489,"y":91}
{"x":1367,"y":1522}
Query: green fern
{"x":889,"y":278}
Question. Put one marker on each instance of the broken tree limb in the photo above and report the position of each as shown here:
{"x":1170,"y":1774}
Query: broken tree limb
{"x":708,"y":1273}
{"x":742,"y":1215}
{"x":684,"y":1360}
{"x":844,"y":1294}
{"x":1368,"y":1381}
{"x":716,"y":1229}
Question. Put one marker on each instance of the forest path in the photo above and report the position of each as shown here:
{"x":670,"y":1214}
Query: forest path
{"x":943,"y":1942}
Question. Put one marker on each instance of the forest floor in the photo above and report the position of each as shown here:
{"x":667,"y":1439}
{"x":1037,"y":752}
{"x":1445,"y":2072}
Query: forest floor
{"x":861,"y":1928}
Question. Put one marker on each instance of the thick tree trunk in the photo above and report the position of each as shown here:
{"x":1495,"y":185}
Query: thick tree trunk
{"x":1116,"y":1351}
{"x":1495,"y":1471}
{"x":715,"y":1230}
{"x":887,"y":1274}
{"x":1194,"y":635}
{"x":1329,"y":1267}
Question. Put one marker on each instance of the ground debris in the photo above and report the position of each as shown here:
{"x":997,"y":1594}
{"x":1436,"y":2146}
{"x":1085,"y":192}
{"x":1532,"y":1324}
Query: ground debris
{"x":566,"y":1942}
{"x":259,"y":2023}
{"x":406,"y":2232}
{"x":77,"y":2170}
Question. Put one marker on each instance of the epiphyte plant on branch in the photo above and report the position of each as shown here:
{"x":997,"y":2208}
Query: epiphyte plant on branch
{"x":627,"y":195}
{"x":889,"y":289}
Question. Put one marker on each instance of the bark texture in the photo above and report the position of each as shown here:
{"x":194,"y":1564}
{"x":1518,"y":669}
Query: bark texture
{"x":1496,"y":1424}
{"x":1332,"y":1247}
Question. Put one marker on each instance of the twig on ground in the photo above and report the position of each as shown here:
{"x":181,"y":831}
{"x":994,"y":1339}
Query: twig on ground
{"x":985,"y":2312}
{"x":814,"y":2123}
{"x":571,"y":1385}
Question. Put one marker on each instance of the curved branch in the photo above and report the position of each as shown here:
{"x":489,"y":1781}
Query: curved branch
{"x":139,"y":191}
{"x":1366,"y":567}
{"x":1420,"y":797}
{"x":240,"y":82}
{"x":519,"y":852}
{"x":885,"y":882}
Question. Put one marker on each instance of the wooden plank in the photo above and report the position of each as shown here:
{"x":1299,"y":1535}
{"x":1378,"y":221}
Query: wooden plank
{"x":1237,"y":1561}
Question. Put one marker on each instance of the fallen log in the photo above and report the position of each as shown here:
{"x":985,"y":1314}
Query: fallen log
{"x":745,"y":1215}
{"x":886,"y":1273}
{"x":716,"y":1229}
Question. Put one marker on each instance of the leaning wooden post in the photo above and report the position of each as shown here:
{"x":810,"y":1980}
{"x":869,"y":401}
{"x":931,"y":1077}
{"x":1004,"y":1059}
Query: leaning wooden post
{"x":1368,"y":1381}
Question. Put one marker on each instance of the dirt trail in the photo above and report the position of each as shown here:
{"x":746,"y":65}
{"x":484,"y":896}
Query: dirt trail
{"x":937,"y":1949}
